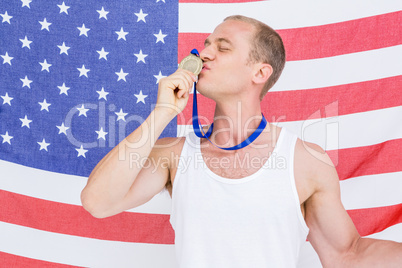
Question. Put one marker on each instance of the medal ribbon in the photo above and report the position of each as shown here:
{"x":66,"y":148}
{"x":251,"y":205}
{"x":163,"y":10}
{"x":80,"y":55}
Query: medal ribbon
{"x":199,"y":132}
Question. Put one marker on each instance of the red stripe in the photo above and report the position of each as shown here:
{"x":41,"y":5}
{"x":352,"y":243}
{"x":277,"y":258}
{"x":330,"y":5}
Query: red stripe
{"x":74,"y":220}
{"x":368,"y":160}
{"x":374,"y":220}
{"x":15,"y":261}
{"x":218,"y":1}
{"x":325,"y":40}
{"x":325,"y":102}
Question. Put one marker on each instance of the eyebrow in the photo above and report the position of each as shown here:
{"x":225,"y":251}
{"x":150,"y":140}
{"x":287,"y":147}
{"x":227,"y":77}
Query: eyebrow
{"x":218,"y":40}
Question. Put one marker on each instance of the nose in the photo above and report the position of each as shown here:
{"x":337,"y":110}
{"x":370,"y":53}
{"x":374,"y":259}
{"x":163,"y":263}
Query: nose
{"x":207,"y":54}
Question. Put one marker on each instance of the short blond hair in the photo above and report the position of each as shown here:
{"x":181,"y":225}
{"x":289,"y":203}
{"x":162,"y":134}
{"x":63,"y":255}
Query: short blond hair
{"x":267,"y":47}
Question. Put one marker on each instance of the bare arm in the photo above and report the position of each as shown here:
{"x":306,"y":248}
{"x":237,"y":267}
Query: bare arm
{"x":332,"y":232}
{"x":375,"y":253}
{"x":119,"y":182}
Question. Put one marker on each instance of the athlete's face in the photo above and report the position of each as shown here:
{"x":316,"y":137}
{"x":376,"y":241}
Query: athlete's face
{"x":227,"y":70}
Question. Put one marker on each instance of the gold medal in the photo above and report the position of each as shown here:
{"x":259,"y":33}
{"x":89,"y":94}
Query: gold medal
{"x":191,"y":63}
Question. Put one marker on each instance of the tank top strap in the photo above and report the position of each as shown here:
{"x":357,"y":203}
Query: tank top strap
{"x":286,"y":143}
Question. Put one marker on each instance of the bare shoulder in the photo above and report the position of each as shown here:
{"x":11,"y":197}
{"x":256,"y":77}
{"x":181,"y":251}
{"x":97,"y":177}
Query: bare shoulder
{"x":314,"y":170}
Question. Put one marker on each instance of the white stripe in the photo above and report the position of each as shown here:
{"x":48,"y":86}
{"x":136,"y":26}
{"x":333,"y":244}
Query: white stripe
{"x":62,"y":188}
{"x":40,"y":183}
{"x":203,"y":18}
{"x":309,"y":258}
{"x":340,"y":132}
{"x":393,"y":233}
{"x":340,"y":70}
{"x":81,"y":251}
{"x":353,"y":130}
{"x":370,"y":191}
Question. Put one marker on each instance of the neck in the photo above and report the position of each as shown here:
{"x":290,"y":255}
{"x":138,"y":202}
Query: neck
{"x":235,"y":122}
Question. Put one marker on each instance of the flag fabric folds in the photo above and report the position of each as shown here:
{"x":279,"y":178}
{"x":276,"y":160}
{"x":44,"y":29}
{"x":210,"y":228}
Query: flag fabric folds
{"x":77,"y":77}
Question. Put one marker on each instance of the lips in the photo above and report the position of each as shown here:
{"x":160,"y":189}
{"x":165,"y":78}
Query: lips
{"x":205,"y":67}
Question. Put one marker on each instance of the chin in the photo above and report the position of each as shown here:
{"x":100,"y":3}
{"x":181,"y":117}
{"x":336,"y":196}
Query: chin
{"x":208,"y":91}
{"x":203,"y":87}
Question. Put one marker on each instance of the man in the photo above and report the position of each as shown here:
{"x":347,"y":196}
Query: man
{"x":235,"y":208}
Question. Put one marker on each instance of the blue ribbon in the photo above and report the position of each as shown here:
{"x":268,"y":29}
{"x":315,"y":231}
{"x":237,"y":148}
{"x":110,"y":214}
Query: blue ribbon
{"x":199,"y":132}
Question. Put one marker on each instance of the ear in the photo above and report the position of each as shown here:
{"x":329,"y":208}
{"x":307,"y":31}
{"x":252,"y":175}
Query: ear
{"x":262,"y":73}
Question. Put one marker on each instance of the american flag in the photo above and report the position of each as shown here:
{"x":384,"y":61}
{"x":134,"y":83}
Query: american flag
{"x":77,"y":76}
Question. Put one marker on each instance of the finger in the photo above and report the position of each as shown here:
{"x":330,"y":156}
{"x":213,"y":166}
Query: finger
{"x":190,"y":78}
{"x":183,"y":81}
{"x":184,"y":85}
{"x":177,"y":86}
{"x":187,"y":79}
{"x":188,"y":74}
{"x":182,"y":93}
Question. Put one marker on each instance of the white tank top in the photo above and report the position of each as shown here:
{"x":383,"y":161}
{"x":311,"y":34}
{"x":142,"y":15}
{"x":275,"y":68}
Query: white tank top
{"x":250,"y":222}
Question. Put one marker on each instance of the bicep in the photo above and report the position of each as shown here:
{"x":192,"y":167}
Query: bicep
{"x":332,"y":232}
{"x":151,"y":180}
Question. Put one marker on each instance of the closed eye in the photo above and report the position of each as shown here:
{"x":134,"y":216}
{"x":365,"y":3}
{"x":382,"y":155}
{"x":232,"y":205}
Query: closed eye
{"x":223,"y":48}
